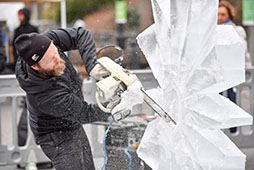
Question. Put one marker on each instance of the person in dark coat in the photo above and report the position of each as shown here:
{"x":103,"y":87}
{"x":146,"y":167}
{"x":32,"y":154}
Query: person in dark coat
{"x":24,"y":28}
{"x":54,"y":98}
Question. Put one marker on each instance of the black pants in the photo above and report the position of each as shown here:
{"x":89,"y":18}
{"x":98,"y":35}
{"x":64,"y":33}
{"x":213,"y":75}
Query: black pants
{"x":68,"y":150}
{"x":232,"y":97}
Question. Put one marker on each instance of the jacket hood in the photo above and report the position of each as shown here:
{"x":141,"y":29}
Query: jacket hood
{"x":26,"y":13}
{"x":29,"y":80}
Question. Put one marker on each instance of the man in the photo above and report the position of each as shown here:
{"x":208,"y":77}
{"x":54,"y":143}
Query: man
{"x":54,"y":98}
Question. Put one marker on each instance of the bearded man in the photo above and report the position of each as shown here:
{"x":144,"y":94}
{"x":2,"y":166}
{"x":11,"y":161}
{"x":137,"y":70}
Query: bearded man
{"x":54,"y":98}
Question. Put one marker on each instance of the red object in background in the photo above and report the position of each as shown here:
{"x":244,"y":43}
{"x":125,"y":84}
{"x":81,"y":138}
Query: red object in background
{"x":20,"y":12}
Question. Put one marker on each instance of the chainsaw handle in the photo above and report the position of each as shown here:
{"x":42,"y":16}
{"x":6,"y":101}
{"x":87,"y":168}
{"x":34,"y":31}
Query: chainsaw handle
{"x":104,"y":109}
{"x":119,"y":59}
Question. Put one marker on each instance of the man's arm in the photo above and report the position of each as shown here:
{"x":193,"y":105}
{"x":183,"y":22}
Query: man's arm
{"x":76,"y":39}
{"x":65,"y":105}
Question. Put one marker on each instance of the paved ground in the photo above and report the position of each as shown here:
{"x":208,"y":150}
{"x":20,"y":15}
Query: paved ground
{"x":250,"y":158}
{"x":248,"y":151}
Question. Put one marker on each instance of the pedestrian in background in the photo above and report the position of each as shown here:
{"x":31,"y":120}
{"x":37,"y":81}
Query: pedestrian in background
{"x":226,"y":16}
{"x":24,"y":27}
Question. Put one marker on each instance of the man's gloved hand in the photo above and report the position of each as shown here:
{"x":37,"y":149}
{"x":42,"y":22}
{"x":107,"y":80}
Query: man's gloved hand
{"x":98,"y":72}
{"x":120,"y":114}
{"x":129,"y":98}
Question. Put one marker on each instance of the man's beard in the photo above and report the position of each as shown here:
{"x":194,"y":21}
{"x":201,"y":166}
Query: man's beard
{"x":57,"y":71}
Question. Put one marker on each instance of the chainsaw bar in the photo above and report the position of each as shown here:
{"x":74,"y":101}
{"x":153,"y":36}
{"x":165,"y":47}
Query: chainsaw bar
{"x":157,"y":108}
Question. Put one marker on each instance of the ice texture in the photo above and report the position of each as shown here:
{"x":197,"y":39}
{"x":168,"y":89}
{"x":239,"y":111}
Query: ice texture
{"x":193,"y":60}
{"x":188,"y":147}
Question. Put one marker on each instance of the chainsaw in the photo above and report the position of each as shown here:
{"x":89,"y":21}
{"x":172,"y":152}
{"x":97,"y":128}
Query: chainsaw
{"x":117,"y":82}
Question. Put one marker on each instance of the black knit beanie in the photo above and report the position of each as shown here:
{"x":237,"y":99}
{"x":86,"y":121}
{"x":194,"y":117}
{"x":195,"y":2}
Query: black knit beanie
{"x":31,"y":47}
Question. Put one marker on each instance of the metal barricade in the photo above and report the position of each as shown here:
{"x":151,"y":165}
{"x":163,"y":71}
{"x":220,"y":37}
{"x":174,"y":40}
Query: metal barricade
{"x":11,"y":153}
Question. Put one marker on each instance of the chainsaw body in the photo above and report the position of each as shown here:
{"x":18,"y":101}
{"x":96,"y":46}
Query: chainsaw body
{"x":112,"y":86}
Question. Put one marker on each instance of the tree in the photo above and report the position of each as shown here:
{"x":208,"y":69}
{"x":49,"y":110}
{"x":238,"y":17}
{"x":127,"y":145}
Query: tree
{"x":78,"y":9}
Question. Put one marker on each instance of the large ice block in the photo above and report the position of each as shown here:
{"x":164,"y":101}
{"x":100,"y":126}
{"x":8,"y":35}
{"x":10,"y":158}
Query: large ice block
{"x":230,"y":52}
{"x":188,"y":147}
{"x":193,"y":60}
{"x":215,"y":111}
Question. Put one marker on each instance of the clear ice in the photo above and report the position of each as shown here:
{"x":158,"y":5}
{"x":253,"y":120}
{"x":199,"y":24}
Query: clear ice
{"x":193,"y":59}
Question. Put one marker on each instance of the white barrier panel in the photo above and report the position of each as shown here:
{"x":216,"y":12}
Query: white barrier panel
{"x":11,"y":153}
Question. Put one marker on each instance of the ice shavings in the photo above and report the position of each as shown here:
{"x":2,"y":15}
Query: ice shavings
{"x":130,"y":97}
{"x":193,"y":60}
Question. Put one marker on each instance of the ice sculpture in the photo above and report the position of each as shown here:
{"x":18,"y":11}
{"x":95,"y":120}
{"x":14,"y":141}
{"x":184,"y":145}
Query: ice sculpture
{"x":193,"y":60}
